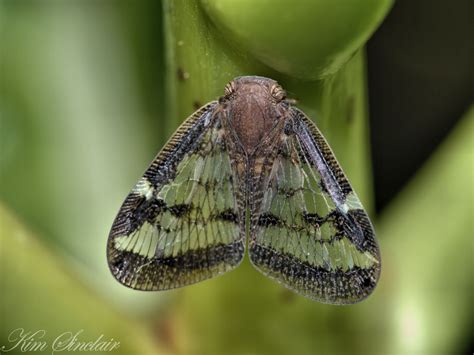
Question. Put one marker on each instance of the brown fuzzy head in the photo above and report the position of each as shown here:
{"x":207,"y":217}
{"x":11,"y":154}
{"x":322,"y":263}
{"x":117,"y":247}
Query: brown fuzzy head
{"x":252,"y":106}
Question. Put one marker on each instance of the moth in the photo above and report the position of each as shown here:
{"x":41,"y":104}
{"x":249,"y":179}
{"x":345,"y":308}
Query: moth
{"x":248,"y":169}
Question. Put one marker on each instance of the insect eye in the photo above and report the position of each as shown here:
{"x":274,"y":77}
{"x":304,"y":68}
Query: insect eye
{"x":277,"y":92}
{"x":229,"y":89}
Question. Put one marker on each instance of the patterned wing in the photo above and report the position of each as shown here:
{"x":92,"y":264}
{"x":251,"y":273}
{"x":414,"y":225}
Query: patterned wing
{"x":312,"y":233}
{"x":180,"y":223}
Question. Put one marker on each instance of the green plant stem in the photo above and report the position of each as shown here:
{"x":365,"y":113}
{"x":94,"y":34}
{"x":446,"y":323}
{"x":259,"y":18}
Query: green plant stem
{"x":244,"y":304}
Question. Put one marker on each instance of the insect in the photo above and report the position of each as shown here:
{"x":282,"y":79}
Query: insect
{"x":247,"y":169}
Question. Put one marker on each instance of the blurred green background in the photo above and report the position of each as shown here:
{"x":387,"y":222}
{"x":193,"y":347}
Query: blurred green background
{"x":91,"y":90}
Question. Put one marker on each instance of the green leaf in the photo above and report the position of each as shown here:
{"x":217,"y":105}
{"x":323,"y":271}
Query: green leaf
{"x":41,"y":292}
{"x":427,"y":276}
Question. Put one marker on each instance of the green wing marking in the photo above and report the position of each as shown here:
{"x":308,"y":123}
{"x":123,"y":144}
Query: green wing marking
{"x":180,"y":223}
{"x":313,"y":239}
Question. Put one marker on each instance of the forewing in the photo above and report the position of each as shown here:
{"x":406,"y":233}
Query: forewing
{"x":180,"y":223}
{"x":312,"y":233}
